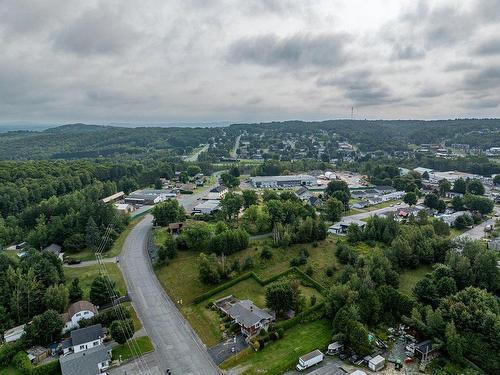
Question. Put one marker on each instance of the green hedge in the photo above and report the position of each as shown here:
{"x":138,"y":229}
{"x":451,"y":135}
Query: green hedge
{"x":302,"y":317}
{"x":202,"y":297}
{"x":23,"y":364}
{"x":220,"y":288}
{"x":8,"y":351}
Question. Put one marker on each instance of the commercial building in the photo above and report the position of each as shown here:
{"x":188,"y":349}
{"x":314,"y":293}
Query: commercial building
{"x":206,"y":207}
{"x":283,"y":181}
{"x":149,"y":196}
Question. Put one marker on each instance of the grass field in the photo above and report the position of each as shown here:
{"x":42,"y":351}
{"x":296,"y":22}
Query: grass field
{"x":123,"y":352}
{"x":283,"y":354}
{"x":180,"y":277}
{"x":10,"y":371}
{"x":86,"y":275}
{"x":115,"y":250}
{"x":408,"y":279}
{"x":206,"y":321}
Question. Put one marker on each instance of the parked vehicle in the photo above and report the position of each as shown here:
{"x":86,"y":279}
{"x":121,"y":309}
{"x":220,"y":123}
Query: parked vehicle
{"x":72,"y":261}
{"x":309,"y":360}
{"x":334,"y":348}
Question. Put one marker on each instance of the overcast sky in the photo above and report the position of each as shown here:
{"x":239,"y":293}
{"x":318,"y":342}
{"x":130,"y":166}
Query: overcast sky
{"x":152,"y":61}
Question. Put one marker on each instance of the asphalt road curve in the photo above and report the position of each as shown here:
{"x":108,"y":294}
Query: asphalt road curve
{"x":177,"y":347}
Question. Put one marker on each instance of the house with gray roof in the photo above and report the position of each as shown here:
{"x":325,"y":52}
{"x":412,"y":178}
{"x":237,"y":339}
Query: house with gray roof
{"x":86,"y":338}
{"x":249,"y":317}
{"x":89,"y":362}
{"x":55,"y":249}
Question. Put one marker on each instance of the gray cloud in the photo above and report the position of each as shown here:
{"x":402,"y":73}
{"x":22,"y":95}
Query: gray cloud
{"x":297,"y":51}
{"x":487,"y":78}
{"x":430,"y":92}
{"x":489,"y":47}
{"x":460,"y":66}
{"x":360,"y":87}
{"x":97,"y":31}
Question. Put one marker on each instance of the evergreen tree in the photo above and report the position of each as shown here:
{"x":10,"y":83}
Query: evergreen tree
{"x":92,"y":235}
{"x":75,"y":291}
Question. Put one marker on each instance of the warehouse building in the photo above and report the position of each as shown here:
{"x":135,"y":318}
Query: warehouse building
{"x":283,"y":181}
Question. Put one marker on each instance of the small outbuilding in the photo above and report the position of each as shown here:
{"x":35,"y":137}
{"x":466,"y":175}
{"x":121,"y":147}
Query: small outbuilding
{"x":377,"y":363}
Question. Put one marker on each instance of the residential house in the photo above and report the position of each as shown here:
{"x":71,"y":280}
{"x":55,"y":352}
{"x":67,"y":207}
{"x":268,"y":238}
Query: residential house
{"x":216,"y":193}
{"x":76,"y":312}
{"x":14,"y":333}
{"x":90,"y":362}
{"x":384,"y":189}
{"x":55,"y":249}
{"x":249,"y":317}
{"x":342,"y":226}
{"x":125,"y":208}
{"x":450,"y":218}
{"x":86,"y":338}
{"x":421,"y":350}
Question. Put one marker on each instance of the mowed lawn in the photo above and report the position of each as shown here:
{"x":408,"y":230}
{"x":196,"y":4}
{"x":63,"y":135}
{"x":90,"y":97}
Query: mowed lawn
{"x":206,"y":322}
{"x":409,"y":279}
{"x":283,"y":354}
{"x":10,"y":371}
{"x":86,"y":275}
{"x":180,"y":278}
{"x":140,"y":346}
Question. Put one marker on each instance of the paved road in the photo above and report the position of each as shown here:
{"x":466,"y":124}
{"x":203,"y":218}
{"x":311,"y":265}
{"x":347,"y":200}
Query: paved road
{"x":364,"y":215}
{"x":194,"y":157}
{"x":234,"y":152}
{"x":478,"y":232}
{"x":177,"y":346}
{"x":130,"y":368}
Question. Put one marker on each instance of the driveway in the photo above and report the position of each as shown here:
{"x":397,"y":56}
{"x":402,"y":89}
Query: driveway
{"x":228,"y":348}
{"x":177,"y":347}
{"x":130,"y":368}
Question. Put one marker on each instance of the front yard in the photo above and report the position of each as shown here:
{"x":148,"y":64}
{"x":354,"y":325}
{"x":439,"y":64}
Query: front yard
{"x":87,"y":274}
{"x":283,"y":354}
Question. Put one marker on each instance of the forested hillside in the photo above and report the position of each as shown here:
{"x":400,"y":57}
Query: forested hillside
{"x":81,"y":141}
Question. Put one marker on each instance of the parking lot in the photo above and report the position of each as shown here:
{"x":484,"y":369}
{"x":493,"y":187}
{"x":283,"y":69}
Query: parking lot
{"x":329,"y":366}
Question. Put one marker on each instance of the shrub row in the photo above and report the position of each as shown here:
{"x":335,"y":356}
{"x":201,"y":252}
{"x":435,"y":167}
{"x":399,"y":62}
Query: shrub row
{"x":23,"y":364}
{"x":202,"y":297}
{"x":313,"y":313}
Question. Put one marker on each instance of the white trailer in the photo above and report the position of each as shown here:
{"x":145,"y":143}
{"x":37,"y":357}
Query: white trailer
{"x":309,"y":360}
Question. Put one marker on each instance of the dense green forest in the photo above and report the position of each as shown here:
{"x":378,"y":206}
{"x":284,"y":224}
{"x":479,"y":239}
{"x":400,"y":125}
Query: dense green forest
{"x":83,"y":141}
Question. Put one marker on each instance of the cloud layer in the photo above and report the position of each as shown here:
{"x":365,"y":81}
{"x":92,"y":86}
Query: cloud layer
{"x":190,"y":60}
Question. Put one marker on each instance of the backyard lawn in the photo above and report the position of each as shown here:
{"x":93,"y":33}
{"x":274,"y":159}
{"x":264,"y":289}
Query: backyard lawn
{"x":206,"y":321}
{"x":408,"y":279}
{"x":141,"y":344}
{"x":283,"y":354}
{"x":180,"y":277}
{"x":10,"y":371}
{"x":86,"y":275}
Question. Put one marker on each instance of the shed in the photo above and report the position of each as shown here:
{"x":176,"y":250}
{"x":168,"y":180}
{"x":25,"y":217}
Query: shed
{"x":376,"y":363}
{"x":36,"y":354}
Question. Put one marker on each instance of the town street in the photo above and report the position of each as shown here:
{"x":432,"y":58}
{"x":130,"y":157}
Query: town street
{"x":177,"y":347}
{"x":477,"y":232}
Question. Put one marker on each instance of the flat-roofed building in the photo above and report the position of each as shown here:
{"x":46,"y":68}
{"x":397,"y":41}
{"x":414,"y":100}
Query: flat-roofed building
{"x":283,"y":181}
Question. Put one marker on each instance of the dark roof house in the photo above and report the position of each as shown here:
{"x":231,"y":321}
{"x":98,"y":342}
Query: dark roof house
{"x":87,"y":334}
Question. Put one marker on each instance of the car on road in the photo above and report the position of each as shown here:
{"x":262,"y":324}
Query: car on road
{"x":71,"y":261}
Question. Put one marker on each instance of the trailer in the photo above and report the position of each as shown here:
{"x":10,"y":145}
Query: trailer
{"x":309,"y":360}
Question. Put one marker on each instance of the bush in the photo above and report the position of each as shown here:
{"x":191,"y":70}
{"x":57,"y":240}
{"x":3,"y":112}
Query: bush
{"x":309,"y":271}
{"x":22,"y":363}
{"x":8,"y":351}
{"x":122,"y":330}
{"x":266,"y":253}
{"x":313,"y":300}
{"x":329,"y":271}
{"x":51,"y":368}
{"x":248,"y":264}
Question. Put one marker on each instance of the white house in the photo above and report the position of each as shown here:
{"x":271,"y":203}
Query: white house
{"x":76,"y":312}
{"x":86,"y":338}
{"x":13,"y":334}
